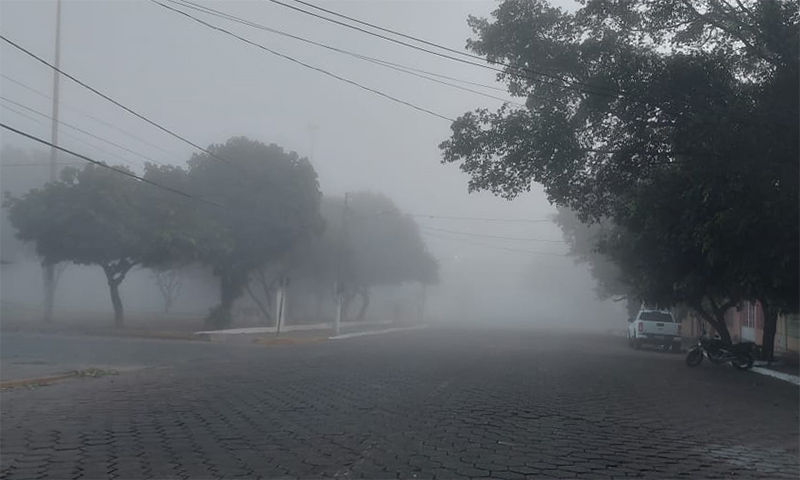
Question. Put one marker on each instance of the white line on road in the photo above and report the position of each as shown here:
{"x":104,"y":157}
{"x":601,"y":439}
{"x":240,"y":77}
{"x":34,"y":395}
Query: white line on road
{"x":786,"y":377}
{"x":376,"y":332}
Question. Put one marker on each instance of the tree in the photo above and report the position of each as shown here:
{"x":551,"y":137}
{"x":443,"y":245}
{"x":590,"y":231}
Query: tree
{"x":269,"y":201}
{"x":371,"y":244}
{"x":22,"y":171}
{"x":677,"y":121}
{"x":169,"y":282}
{"x":382,"y":247}
{"x":98,"y":216}
{"x":583,"y":241}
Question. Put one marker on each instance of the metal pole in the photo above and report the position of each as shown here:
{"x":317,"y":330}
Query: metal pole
{"x":281,"y":308}
{"x":340,"y":275}
{"x":49,"y":268}
{"x":56,"y":82}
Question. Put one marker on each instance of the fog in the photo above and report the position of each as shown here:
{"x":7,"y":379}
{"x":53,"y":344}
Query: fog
{"x":209,"y":87}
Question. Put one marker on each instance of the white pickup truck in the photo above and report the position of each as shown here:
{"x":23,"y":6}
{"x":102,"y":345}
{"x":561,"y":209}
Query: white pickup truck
{"x":656,"y":327}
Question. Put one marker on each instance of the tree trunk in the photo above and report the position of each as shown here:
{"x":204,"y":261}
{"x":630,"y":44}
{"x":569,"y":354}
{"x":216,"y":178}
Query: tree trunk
{"x":770,"y":328}
{"x":347,"y":300}
{"x":48,"y":270}
{"x":227,"y":296}
{"x":116,"y":301}
{"x":168,"y":304}
{"x":264,"y":309}
{"x":115,"y":274}
{"x":716,"y":319}
{"x":364,"y":293}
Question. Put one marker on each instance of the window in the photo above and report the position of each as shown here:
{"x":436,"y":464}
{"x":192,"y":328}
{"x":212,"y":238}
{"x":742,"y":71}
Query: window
{"x":656,"y":317}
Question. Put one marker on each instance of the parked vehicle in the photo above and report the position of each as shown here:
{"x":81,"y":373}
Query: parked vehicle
{"x":739,"y":355}
{"x":655,"y":327}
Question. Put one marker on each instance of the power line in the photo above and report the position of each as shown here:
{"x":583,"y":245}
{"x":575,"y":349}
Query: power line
{"x":96,"y":119}
{"x":101,"y":164}
{"x":394,"y":66}
{"x":568,"y":86}
{"x":486,"y":235}
{"x":498,"y":247}
{"x":37,"y":164}
{"x":115,"y":102}
{"x":483,"y":219}
{"x":121,"y":147}
{"x":299,"y":62}
{"x":74,"y":137}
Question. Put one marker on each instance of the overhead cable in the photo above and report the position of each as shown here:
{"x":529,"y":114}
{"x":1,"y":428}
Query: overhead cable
{"x":570,"y":85}
{"x":304,"y":64}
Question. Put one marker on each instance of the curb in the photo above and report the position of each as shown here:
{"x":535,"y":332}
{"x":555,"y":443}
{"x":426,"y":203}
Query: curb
{"x":271,"y":341}
{"x":376,"y":332}
{"x":786,"y":377}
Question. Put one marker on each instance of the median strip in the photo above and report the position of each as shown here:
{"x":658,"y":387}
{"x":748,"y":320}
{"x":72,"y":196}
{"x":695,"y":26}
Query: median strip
{"x":42,"y":381}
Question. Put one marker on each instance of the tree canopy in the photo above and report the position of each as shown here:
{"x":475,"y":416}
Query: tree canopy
{"x":270,"y":201}
{"x":675,"y":120}
{"x":380,"y":246}
{"x":97,"y":216}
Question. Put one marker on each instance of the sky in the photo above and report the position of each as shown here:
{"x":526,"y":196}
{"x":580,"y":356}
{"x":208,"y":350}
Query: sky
{"x":208,"y":86}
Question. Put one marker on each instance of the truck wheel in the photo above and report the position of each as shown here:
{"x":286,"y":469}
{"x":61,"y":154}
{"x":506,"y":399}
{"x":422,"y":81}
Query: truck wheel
{"x":630,"y":341}
{"x":637,"y":344}
{"x":676,"y":347}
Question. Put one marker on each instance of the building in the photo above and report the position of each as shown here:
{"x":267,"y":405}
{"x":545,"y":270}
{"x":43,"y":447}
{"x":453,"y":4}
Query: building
{"x":746,"y":323}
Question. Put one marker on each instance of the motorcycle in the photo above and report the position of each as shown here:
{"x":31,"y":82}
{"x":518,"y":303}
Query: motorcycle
{"x":739,"y":355}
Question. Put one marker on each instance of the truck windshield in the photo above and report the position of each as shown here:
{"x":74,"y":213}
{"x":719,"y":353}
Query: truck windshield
{"x":655,"y":317}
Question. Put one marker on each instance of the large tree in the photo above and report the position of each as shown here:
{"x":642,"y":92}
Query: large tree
{"x":369,"y":244}
{"x":583,"y":241}
{"x":268,"y":201}
{"x":677,"y":120}
{"x":99,"y":216}
{"x":384,"y":247}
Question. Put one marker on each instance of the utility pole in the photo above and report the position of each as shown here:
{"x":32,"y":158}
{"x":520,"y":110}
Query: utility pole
{"x":340,"y":274}
{"x":49,"y":268}
{"x":313,"y":128}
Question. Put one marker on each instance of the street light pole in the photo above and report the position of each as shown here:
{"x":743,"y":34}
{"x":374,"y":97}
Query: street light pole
{"x":49,"y":268}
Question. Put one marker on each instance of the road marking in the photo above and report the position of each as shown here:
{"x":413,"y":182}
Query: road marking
{"x":786,"y":377}
{"x":376,"y":332}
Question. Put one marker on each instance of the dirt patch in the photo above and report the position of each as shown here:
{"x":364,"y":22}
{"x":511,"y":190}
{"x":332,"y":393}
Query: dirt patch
{"x":43,"y":381}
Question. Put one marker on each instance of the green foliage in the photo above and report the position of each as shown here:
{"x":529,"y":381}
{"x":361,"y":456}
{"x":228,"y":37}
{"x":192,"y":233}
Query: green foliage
{"x":92,"y":216}
{"x":380,"y":247}
{"x":29,"y":169}
{"x":386,"y":247}
{"x":270,"y":201}
{"x":675,"y":121}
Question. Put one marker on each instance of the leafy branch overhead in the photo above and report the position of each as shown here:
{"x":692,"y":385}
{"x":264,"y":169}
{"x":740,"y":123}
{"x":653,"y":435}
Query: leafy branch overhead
{"x":675,"y":122}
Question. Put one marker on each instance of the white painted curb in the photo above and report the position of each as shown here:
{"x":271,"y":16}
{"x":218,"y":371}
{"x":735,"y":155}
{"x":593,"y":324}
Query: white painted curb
{"x":288,"y":328}
{"x":786,"y":377}
{"x":377,"y":332}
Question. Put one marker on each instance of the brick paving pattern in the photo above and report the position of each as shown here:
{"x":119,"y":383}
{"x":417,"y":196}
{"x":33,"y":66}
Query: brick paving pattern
{"x":434,"y":403}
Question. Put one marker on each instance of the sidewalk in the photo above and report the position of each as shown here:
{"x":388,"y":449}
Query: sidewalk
{"x":785,"y":367}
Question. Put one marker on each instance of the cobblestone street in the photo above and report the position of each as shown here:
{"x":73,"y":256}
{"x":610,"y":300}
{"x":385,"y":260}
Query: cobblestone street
{"x":435,"y":403}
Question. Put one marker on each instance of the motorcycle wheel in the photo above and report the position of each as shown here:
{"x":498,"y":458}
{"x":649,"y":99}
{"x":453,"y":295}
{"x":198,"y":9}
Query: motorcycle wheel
{"x":694,"y":357}
{"x":743,"y":361}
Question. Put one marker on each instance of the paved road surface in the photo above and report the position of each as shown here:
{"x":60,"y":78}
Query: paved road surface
{"x":426,"y":404}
